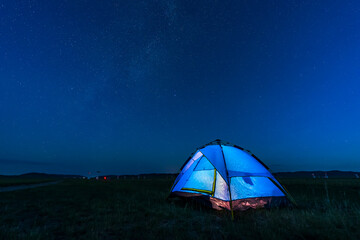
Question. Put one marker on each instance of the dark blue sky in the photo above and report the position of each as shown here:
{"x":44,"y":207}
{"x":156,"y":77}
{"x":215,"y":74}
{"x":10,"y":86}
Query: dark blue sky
{"x":136,"y":86}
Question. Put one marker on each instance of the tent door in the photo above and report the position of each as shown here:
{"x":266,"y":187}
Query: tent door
{"x":199,"y":182}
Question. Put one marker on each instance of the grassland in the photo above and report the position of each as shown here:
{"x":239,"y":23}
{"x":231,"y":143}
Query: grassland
{"x":136,"y":209}
{"x":15,"y":181}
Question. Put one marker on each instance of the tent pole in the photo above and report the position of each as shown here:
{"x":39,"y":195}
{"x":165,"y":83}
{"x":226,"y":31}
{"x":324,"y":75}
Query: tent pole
{"x":231,"y":208}
{"x":228,"y":180}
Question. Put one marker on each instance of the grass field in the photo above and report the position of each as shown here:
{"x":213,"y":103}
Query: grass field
{"x":15,"y":181}
{"x":136,"y":209}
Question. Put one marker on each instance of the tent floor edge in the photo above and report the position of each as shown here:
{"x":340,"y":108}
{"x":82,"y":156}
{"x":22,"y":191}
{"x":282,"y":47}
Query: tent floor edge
{"x":238,"y":205}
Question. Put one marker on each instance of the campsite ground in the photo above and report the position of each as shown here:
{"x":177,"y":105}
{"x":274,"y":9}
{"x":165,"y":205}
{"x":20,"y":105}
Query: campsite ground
{"x":15,"y":181}
{"x":136,"y":209}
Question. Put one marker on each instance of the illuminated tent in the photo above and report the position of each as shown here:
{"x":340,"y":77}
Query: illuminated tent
{"x":226,"y":176}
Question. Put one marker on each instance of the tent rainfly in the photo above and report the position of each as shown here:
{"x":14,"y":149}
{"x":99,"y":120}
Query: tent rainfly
{"x":225,"y":176}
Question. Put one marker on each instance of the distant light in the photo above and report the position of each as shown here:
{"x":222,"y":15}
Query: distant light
{"x":104,"y":178}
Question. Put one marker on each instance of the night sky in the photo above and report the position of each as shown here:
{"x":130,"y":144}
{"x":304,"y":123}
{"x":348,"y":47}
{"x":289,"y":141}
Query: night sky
{"x":127,"y":87}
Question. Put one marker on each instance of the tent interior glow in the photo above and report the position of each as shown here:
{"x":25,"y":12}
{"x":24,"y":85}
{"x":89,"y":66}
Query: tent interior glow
{"x":127,"y":87}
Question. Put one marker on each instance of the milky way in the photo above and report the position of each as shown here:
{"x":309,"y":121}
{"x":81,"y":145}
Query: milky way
{"x":136,"y":86}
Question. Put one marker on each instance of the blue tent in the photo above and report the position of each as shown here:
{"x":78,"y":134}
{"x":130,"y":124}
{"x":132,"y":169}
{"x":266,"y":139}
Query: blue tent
{"x":226,"y":176}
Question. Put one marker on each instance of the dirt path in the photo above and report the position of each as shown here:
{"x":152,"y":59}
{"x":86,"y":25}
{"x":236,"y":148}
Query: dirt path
{"x":21,"y":187}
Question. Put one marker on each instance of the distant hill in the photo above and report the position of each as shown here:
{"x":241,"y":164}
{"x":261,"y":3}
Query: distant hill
{"x":297,"y":174}
{"x":41,"y":176}
{"x":318,"y":174}
{"x":140,"y":176}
